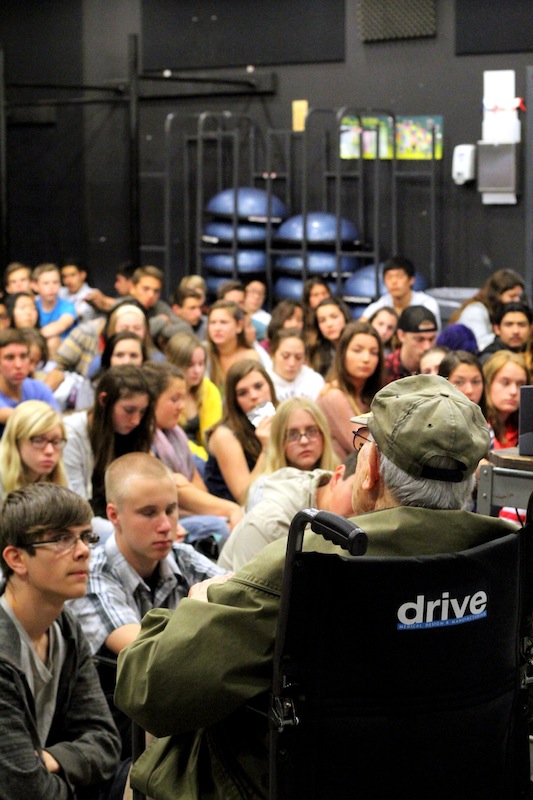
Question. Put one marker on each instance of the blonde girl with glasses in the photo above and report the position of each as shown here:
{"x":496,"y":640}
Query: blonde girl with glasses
{"x":299,"y":438}
{"x":31,"y":447}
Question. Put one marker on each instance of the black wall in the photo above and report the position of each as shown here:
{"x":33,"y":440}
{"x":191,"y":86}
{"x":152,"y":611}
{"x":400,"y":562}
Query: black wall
{"x":69,"y":181}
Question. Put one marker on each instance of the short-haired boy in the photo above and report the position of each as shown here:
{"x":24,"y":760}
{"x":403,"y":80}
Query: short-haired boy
{"x":399,"y":279}
{"x":56,"y":316}
{"x":58,"y":737}
{"x":17,"y":278}
{"x":15,"y":367}
{"x":75,"y":289}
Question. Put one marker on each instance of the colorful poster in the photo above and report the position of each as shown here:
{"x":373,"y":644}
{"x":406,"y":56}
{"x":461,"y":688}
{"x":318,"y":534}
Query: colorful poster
{"x":414,"y":137}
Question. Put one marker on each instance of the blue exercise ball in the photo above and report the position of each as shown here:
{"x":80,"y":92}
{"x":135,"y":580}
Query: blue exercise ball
{"x":251,"y":202}
{"x":212,"y":283}
{"x":363,"y":282}
{"x":318,"y":262}
{"x":248,"y":261}
{"x":320,"y":227}
{"x":288,"y":289}
{"x":421,"y":282}
{"x":218,"y":230}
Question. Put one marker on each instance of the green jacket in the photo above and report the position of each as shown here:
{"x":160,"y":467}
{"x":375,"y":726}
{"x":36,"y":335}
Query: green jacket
{"x":195,"y":674}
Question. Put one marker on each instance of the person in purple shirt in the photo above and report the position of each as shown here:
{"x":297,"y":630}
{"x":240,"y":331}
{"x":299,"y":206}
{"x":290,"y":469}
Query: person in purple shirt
{"x":15,"y":385}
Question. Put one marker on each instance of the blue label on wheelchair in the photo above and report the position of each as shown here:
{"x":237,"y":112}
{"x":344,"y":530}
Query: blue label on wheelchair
{"x":442,"y":611}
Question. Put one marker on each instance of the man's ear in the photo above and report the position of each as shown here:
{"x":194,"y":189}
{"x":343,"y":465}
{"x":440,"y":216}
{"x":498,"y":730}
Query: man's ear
{"x":401,"y":335}
{"x":338,"y":474}
{"x":372,"y":476}
{"x":496,"y":329}
{"x":14,"y":558}
{"x":112,"y":513}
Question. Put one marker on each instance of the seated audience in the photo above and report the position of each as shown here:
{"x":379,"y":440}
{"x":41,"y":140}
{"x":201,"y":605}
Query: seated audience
{"x":147,"y":283}
{"x":505,"y":373}
{"x":197,"y":283}
{"x":60,"y":740}
{"x":417,"y":331}
{"x":356,"y":376}
{"x":22,"y":310}
{"x":167,"y":389}
{"x":512,"y":326}
{"x":290,"y":374}
{"x":477,"y":313}
{"x":203,"y":402}
{"x":315,"y":290}
{"x":31,"y":447}
{"x":187,"y":305}
{"x":411,"y":481}
{"x":56,"y":316}
{"x":142,"y":565}
{"x":120,"y":421}
{"x":254,"y":299}
{"x":430,"y":360}
{"x":463,"y":370}
{"x":237,"y":447}
{"x":284,"y":493}
{"x":385,"y":321}
{"x":38,"y":352}
{"x":15,"y":385}
{"x":81,"y":351}
{"x":399,"y":278}
{"x":299,"y":438}
{"x":285,"y":314}
{"x":123,"y":285}
{"x":458,"y":337}
{"x":4,"y":316}
{"x":75,"y":289}
{"x":124,"y":347}
{"x":226,"y":341}
{"x":331,"y":316}
{"x":17,"y":278}
{"x":250,"y":334}
{"x":232,"y":291}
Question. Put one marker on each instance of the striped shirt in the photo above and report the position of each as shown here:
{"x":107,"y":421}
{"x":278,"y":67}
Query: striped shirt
{"x":117,"y":595}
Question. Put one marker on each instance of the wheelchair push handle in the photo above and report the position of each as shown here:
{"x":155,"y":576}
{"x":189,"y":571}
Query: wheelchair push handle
{"x":333,"y":527}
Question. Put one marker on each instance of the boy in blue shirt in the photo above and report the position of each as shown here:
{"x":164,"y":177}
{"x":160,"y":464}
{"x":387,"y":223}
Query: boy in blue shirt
{"x":56,"y":316}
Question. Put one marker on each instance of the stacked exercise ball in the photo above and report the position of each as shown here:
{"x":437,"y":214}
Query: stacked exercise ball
{"x":240,"y":217}
{"x":324,"y":235}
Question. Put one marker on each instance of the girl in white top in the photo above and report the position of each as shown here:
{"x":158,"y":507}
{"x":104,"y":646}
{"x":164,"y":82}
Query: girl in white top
{"x":503,"y":286}
{"x":290,"y":374}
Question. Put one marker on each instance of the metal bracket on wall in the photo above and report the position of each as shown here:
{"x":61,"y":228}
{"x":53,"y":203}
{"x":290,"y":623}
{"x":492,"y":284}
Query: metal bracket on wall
{"x":176,"y":86}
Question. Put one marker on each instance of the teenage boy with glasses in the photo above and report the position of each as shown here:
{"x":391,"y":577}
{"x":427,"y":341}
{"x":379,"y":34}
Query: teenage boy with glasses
{"x":59,"y":739}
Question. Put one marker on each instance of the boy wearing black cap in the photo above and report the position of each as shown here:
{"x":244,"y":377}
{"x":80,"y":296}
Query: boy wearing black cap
{"x":417,"y":332}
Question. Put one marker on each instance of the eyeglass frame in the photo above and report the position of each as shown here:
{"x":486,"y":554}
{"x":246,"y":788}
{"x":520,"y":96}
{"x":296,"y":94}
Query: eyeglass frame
{"x":91,"y":537}
{"x":294,"y":436}
{"x":365,"y":439}
{"x":57,"y":444}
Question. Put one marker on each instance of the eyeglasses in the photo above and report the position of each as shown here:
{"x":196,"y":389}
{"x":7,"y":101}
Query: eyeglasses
{"x":358,"y":435}
{"x":312,"y":432}
{"x":40,"y":442}
{"x":65,"y":542}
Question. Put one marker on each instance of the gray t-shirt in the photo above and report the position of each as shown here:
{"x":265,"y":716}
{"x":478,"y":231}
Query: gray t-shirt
{"x":43,"y":679}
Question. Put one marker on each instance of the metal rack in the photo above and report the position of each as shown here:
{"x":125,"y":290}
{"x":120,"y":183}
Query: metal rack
{"x":223,"y":150}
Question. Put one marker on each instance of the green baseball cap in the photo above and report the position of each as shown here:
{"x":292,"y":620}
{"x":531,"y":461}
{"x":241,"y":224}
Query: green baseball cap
{"x":414,"y":419}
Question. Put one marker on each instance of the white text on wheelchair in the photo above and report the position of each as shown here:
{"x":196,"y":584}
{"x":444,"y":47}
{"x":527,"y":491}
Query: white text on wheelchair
{"x":444,"y":611}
